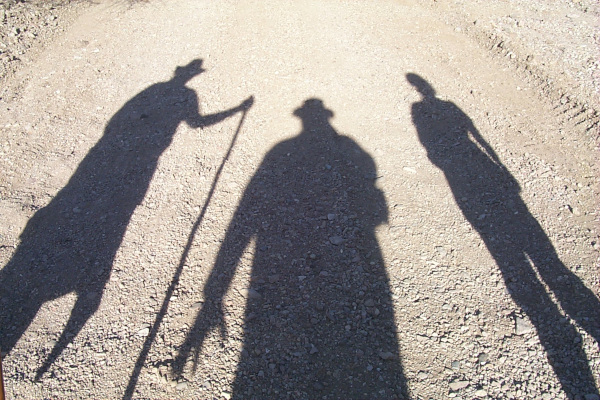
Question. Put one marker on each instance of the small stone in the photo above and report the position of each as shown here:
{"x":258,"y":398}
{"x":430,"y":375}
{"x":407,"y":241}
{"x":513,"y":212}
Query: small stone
{"x":483,"y":357}
{"x":197,"y":305}
{"x":458,"y":385}
{"x":441,"y":250}
{"x":91,"y":295}
{"x":273,"y":278}
{"x":331,"y":217}
{"x":422,"y":375}
{"x":455,"y":365}
{"x":313,"y":349}
{"x":522,"y":326}
{"x":386,"y":355}
{"x":369,"y":303}
{"x":336,"y":240}
{"x":226,"y":395}
{"x":250,"y":293}
{"x":480,"y":393}
{"x":181,"y":386}
{"x":143,"y":332}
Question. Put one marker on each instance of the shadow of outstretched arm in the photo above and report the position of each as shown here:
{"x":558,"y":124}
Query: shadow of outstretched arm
{"x":201,"y":121}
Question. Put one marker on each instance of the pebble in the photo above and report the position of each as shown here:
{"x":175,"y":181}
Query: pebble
{"x":226,"y":395}
{"x":197,"y":305}
{"x":483,"y":357}
{"x":336,"y":240}
{"x":386,"y":355}
{"x":143,"y":332}
{"x":250,"y":293}
{"x":480,"y":393}
{"x":522,"y":326}
{"x":181,"y":386}
{"x":458,"y":385}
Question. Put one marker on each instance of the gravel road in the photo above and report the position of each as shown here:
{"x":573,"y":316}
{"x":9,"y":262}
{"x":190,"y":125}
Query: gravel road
{"x":300,"y":199}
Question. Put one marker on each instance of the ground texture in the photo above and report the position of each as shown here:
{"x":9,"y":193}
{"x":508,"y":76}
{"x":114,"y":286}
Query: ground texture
{"x":300,"y":199}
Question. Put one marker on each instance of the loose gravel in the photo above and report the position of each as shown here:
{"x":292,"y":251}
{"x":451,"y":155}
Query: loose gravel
{"x":250,"y":200}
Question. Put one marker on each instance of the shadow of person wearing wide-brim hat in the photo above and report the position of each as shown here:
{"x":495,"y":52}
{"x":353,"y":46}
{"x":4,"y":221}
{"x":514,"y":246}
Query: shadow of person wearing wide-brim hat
{"x":319,"y":319}
{"x":69,"y":245}
{"x":489,"y":198}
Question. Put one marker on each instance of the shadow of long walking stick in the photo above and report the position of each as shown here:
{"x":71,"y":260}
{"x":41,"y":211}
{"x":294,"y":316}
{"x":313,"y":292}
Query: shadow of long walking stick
{"x":165,"y":305}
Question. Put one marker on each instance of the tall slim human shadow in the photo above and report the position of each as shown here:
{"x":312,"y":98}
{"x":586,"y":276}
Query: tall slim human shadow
{"x":69,"y":245}
{"x":489,"y":198}
{"x":319,"y":319}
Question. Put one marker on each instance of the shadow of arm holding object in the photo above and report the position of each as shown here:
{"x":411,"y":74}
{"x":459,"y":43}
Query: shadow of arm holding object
{"x":201,"y":121}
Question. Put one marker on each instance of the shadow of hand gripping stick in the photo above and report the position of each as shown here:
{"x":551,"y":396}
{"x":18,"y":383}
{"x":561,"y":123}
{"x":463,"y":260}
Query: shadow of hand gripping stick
{"x":69,"y":245}
{"x":489,"y":198}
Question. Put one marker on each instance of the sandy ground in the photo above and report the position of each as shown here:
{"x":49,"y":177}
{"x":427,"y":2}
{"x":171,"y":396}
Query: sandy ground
{"x":247,"y":199}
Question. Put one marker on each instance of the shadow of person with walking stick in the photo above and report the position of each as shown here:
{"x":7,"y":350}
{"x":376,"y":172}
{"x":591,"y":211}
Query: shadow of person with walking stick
{"x":319,"y":319}
{"x":489,"y":198}
{"x":69,"y":245}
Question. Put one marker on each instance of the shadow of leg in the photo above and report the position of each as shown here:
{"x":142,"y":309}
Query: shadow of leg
{"x":83,"y":309}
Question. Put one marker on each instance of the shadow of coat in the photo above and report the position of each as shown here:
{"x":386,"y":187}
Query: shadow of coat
{"x":319,"y":319}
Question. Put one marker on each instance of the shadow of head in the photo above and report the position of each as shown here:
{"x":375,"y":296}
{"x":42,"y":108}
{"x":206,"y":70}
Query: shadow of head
{"x":189,"y":71}
{"x":421,"y":85}
{"x":313,"y":113}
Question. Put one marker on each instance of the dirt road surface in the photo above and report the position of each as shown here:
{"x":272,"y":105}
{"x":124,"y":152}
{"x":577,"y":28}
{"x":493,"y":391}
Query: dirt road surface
{"x":302,"y":200}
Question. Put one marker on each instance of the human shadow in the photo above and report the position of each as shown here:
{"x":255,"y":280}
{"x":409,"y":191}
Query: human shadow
{"x":319,"y":319}
{"x":69,"y":245}
{"x":489,"y":198}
